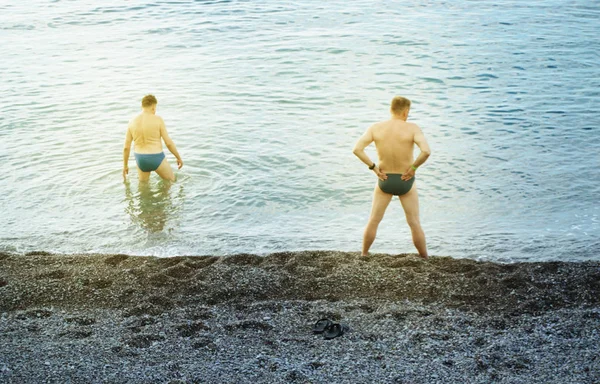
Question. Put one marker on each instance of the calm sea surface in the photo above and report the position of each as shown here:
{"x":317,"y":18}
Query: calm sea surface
{"x":265,"y":100}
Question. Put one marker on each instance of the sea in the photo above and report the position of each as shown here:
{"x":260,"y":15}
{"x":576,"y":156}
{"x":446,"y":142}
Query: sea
{"x":265,"y":101}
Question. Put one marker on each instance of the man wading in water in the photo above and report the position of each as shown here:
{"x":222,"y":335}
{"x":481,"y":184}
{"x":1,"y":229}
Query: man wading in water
{"x":146,"y":130}
{"x":394,"y":140}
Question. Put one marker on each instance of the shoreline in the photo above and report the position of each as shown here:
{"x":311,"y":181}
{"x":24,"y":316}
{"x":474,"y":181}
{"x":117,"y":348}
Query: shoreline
{"x":141,"y":319}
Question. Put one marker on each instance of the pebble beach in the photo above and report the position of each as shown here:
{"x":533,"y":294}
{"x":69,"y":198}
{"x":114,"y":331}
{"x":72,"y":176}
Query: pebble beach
{"x":94,"y":318}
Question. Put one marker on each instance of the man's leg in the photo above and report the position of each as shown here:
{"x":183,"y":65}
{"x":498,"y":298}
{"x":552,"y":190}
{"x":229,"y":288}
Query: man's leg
{"x":143,"y":176}
{"x":165,"y":171}
{"x":380,"y":202}
{"x":410,"y":203}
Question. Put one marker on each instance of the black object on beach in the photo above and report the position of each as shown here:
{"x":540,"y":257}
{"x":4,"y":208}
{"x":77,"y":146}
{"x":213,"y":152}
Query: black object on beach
{"x":334,"y":330}
{"x":321,"y":325}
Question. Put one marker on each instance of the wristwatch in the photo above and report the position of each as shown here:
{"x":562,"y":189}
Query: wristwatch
{"x":372,"y":166}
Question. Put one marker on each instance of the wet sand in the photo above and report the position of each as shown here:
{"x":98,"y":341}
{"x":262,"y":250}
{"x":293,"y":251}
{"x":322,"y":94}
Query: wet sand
{"x":246,"y":318}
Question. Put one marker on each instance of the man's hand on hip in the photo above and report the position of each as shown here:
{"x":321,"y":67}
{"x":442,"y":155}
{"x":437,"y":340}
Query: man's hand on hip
{"x":408,"y":174}
{"x":379,"y":173}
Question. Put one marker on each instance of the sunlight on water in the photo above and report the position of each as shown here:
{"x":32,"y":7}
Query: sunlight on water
{"x":265,"y":102}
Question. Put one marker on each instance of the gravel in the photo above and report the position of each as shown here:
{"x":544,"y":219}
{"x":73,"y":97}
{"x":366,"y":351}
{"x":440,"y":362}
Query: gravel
{"x":248,"y":319}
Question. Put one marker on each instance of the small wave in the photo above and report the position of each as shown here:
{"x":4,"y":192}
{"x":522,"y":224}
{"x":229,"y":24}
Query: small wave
{"x":487,"y":76}
{"x":123,"y":9}
{"x":18,"y":27}
{"x":432,"y":80}
{"x":495,"y":158}
{"x":160,"y":31}
{"x":336,"y":51}
{"x":506,"y":110}
{"x":210,"y":2}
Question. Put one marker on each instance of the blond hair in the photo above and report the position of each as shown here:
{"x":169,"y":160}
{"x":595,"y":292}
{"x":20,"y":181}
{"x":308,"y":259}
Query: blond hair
{"x":399,"y":104}
{"x":148,"y":101}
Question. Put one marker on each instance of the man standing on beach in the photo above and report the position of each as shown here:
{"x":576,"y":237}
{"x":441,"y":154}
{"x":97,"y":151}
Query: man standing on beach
{"x":394,"y":140}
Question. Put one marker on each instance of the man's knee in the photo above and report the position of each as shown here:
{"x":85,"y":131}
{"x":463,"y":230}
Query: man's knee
{"x":375,"y":219}
{"x":413,"y":221}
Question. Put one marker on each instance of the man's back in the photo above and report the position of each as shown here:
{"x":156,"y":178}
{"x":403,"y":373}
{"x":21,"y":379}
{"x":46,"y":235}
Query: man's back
{"x":394,"y":140}
{"x":146,"y":132}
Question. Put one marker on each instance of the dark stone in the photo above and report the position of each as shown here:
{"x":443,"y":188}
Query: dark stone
{"x":143,"y":340}
{"x":191,"y":329}
{"x":81,"y":320}
{"x":115,"y":260}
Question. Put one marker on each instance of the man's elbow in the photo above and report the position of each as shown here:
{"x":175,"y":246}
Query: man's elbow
{"x":426,"y":152}
{"x":356,"y":151}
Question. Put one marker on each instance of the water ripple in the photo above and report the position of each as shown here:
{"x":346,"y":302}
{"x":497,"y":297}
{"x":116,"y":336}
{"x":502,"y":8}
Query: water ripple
{"x":265,"y":102}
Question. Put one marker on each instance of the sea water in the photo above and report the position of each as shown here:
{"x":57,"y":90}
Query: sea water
{"x":265,"y":100}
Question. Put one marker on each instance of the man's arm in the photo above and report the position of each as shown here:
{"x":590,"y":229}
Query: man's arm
{"x":126,"y":152}
{"x":421,"y":142}
{"x":169,"y":143}
{"x":359,"y":151}
{"x":423,"y":146}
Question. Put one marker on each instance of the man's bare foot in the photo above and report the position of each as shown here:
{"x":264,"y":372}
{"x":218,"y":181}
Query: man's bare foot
{"x":424,"y":257}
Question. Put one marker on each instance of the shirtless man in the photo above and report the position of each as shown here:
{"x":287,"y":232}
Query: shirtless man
{"x":394,"y":140}
{"x":146,"y":131}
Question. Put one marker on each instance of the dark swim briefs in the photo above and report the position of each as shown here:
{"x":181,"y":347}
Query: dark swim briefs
{"x":395,"y":185}
{"x":148,"y":162}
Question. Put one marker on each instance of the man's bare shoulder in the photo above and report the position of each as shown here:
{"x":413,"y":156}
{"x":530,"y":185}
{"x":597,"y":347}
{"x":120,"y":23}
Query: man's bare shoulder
{"x":133,"y":121}
{"x":378,"y":124}
{"x":135,"y":118}
{"x":413,"y":126}
{"x":149,"y":119}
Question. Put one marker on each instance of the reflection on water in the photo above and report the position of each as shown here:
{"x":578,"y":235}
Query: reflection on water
{"x":152,"y":206}
{"x":505,"y":91}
